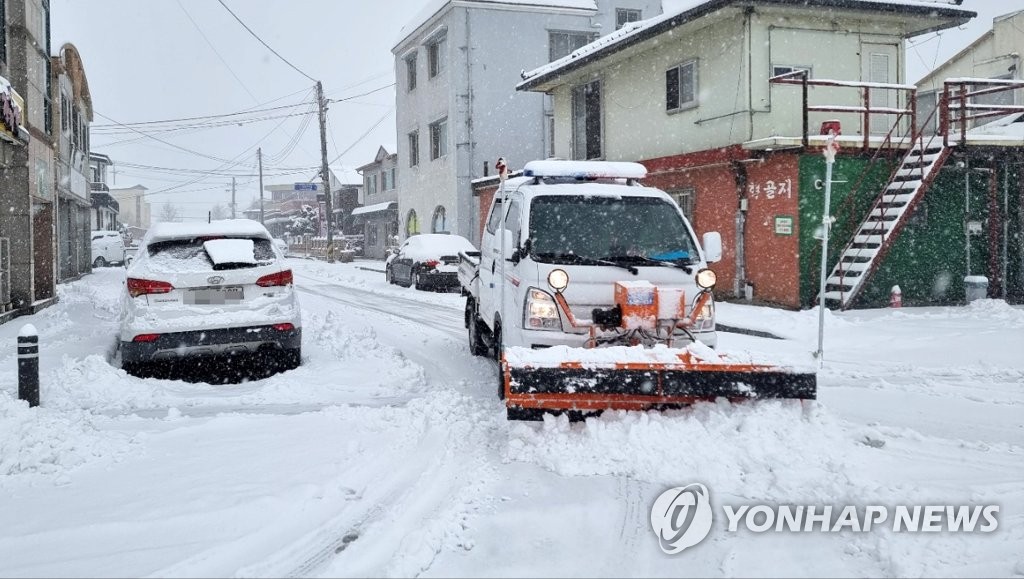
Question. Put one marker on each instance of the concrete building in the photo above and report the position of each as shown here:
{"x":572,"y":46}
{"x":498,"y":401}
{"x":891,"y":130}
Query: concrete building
{"x":105,"y":209}
{"x":27,"y":175}
{"x":457,"y":107}
{"x":70,"y":89}
{"x":996,"y":55}
{"x":690,"y":95}
{"x":378,"y":216}
{"x":134,"y":208}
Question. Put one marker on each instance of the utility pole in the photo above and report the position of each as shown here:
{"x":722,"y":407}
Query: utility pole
{"x":324,"y":171}
{"x":232,"y":197}
{"x":259,"y":157}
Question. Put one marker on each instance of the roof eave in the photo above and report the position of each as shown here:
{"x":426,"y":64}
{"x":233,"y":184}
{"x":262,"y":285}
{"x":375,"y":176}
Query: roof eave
{"x":546,"y":81}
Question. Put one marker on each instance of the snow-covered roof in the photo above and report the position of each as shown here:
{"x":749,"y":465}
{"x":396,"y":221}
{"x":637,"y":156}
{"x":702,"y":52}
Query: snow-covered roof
{"x":690,"y":10}
{"x":227,"y":227}
{"x":375,"y":208}
{"x":432,"y":7}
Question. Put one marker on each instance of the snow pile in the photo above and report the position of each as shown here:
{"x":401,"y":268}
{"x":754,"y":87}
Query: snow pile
{"x":47,"y":442}
{"x":768,"y":450}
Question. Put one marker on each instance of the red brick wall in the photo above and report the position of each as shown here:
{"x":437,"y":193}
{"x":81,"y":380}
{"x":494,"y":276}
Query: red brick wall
{"x":772,"y":261}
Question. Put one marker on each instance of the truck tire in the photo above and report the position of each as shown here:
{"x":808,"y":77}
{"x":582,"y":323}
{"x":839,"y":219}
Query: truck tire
{"x":496,"y":353}
{"x":477,"y":346}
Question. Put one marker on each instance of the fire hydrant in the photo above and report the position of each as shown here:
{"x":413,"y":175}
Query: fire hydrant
{"x":896,"y":297}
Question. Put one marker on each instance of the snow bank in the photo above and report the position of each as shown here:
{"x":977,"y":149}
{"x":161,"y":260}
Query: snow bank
{"x":47,"y":442}
{"x":767,"y":450}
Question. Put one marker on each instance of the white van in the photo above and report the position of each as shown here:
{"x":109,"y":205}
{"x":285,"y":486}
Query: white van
{"x":107,"y":248}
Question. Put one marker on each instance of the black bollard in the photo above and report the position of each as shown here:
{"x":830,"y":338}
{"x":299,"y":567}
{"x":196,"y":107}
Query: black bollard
{"x":28,"y":365}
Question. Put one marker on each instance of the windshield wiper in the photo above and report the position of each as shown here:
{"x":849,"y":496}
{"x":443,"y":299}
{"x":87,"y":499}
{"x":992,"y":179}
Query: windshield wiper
{"x":648,"y":261}
{"x":573,"y":259}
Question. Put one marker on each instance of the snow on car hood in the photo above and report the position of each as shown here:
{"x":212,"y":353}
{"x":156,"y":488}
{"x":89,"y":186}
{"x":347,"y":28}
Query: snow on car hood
{"x":431,"y":246}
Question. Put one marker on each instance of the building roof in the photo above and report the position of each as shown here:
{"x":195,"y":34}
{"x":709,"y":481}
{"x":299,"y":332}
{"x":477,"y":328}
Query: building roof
{"x":691,"y":10}
{"x":434,"y":7}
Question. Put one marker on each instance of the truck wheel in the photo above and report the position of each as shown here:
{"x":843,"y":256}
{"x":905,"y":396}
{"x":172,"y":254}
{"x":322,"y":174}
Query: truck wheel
{"x":477,"y":346}
{"x":497,"y":357}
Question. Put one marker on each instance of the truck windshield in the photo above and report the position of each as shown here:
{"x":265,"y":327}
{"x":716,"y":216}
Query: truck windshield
{"x":608,"y":228}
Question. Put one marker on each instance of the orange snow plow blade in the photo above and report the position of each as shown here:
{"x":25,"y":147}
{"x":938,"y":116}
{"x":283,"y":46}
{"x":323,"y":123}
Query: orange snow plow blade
{"x":533,"y":383}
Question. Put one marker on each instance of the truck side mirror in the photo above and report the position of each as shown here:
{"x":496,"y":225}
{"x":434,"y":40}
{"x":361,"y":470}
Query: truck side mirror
{"x":712,"y":246}
{"x":511,"y":247}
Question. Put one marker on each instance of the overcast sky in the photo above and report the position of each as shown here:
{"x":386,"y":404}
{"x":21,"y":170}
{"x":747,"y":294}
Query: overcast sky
{"x":171,"y":59}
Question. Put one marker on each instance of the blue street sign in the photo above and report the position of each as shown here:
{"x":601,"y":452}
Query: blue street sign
{"x":305,"y":186}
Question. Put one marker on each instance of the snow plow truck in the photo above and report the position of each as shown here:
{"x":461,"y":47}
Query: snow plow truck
{"x":592,"y":293}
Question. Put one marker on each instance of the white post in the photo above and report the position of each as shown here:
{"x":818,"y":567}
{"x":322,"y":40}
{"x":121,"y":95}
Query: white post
{"x":826,"y":223}
{"x":502,"y":175}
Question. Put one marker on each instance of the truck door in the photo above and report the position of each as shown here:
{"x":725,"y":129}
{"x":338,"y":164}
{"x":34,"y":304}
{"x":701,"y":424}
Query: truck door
{"x":490,"y":244}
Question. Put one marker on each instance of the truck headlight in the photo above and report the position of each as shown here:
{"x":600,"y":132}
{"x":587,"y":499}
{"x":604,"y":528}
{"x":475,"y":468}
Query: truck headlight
{"x":540,"y":312}
{"x":706,"y":278}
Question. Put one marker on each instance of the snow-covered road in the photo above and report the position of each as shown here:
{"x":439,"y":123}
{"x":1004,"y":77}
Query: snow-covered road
{"x":387,"y":452}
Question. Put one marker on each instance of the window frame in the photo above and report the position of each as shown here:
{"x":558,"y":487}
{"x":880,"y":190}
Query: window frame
{"x":790,"y":68}
{"x":411,"y":70}
{"x":414,"y":148}
{"x":437,"y":48}
{"x":588,"y":36}
{"x":441,"y":212}
{"x":681,"y":106}
{"x":575,"y":120}
{"x":627,"y":12}
{"x":438,"y":145}
{"x":689,"y":207}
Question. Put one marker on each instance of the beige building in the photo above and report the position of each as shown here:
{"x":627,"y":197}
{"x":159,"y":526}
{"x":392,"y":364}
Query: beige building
{"x":133,"y":206}
{"x":996,"y":55}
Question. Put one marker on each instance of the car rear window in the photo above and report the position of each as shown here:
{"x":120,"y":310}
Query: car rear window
{"x":190,"y":255}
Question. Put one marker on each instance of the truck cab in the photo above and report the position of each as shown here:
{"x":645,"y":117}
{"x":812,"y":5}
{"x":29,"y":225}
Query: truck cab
{"x":592,"y":226}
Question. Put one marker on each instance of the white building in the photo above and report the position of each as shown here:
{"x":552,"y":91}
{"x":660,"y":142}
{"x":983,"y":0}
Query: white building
{"x":457,"y":66}
{"x":133,"y":205}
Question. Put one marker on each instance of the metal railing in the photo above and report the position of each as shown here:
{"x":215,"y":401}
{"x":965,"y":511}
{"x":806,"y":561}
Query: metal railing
{"x":958,"y":110}
{"x":866,"y":109}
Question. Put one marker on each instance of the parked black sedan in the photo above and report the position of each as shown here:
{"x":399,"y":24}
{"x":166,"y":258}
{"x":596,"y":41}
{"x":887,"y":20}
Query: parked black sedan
{"x":428,"y":261}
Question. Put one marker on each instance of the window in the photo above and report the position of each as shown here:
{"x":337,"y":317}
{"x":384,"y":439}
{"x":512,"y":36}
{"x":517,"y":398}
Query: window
{"x":439,"y":139}
{"x":926,"y":103}
{"x":394,"y":183}
{"x":439,"y":224}
{"x":412,"y":225}
{"x":64,"y":113}
{"x":383,"y":181}
{"x":410,"y":71}
{"x":513,"y":222}
{"x":495,"y":219}
{"x":685,"y":197}
{"x":681,"y":87}
{"x":586,"y":121}
{"x":624,"y":16}
{"x":371,"y":234}
{"x":414,"y":148}
{"x":437,"y":51}
{"x":564,"y":43}
{"x":778,"y":69}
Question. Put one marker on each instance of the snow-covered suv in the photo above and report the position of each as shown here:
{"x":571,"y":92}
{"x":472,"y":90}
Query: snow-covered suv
{"x":209,"y":289}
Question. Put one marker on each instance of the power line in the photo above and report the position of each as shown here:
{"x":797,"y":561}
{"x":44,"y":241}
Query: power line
{"x":256,"y":36}
{"x":250,"y":111}
{"x":341,"y":100}
{"x":364,"y":135}
{"x":215,"y":51}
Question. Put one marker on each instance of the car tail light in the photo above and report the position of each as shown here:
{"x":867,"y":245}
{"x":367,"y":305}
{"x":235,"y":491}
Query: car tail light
{"x":276,"y":279}
{"x":140,"y":287}
{"x":431,"y":263}
{"x":146,"y":338}
{"x":284,"y":327}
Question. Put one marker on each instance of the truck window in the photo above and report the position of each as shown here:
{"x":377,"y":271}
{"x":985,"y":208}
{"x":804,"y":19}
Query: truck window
{"x":495,"y":219}
{"x":513,"y":221}
{"x":604,"y":227}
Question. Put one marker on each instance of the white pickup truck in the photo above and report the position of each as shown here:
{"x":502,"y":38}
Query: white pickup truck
{"x":557,"y":241}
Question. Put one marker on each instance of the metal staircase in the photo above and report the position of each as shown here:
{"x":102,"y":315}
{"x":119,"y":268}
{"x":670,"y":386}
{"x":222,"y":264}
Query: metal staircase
{"x":872,"y":240}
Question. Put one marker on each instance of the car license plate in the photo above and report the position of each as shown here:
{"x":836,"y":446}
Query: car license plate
{"x":214,"y":296}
